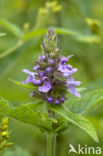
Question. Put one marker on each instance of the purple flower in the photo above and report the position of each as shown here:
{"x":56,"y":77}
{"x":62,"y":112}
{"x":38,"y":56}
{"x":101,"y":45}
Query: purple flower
{"x":73,"y":91}
{"x":70,"y":72}
{"x":62,"y":99}
{"x":64,"y":60}
{"x":54,"y":75}
{"x":28,"y":79}
{"x":36,"y":67}
{"x":31,"y":94}
{"x":49,"y":99}
{"x":66,"y":69}
{"x":77,"y":83}
{"x":69,"y":67}
{"x":56,"y":102}
{"x":31,"y":76}
{"x":63,"y":68}
{"x":29,"y":72}
{"x":71,"y":84}
{"x":42,"y":57}
{"x":51,"y":61}
{"x":48,"y":69}
{"x":46,"y":86}
{"x":42,"y":74}
{"x":37,"y":82}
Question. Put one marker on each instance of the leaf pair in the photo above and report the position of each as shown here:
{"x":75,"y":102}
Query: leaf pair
{"x":27,"y":113}
{"x":84,"y":104}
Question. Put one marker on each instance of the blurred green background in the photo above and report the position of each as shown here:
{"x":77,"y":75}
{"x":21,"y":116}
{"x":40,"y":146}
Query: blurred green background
{"x":86,"y":46}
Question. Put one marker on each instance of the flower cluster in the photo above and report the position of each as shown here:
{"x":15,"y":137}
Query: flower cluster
{"x":52,"y":74}
{"x":4,"y":134}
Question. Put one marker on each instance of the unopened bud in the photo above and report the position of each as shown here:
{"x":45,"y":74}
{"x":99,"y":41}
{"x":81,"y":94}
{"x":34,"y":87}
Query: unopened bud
{"x":57,"y":8}
{"x":93,"y":24}
{"x":5,"y":127}
{"x":4,"y":134}
{"x":5,"y":121}
{"x":9,"y":144}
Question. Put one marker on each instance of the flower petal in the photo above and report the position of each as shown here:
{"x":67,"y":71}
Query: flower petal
{"x":36,"y":67}
{"x":29,"y":72}
{"x":42,"y":57}
{"x":46,"y":86}
{"x":77,"y":83}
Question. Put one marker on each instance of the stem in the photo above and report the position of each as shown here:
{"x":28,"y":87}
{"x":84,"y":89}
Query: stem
{"x":11,"y":50}
{"x":51,"y":144}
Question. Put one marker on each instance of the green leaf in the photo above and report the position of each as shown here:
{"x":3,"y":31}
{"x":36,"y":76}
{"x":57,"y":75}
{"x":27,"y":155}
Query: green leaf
{"x":29,"y":86}
{"x":63,"y":31}
{"x":87,"y":102}
{"x":27,"y":113}
{"x":16,"y":152}
{"x":89,"y":39}
{"x":11,"y":27}
{"x":76,"y":119}
{"x":38,"y":32}
{"x":11,"y":50}
{"x":97,"y":84}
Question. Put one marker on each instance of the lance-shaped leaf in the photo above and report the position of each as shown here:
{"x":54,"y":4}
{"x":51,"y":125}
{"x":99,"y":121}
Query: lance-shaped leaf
{"x":89,"y":39}
{"x":27,"y":113}
{"x":38,"y":32}
{"x":11,"y":27}
{"x":76,"y":119}
{"x":87,"y":102}
{"x":24,"y":85}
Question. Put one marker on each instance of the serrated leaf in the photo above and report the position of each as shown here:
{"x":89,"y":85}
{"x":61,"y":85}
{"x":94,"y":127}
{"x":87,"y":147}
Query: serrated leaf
{"x":27,"y":113}
{"x":11,"y":27}
{"x":28,"y":86}
{"x":86,"y":102}
{"x":76,"y":119}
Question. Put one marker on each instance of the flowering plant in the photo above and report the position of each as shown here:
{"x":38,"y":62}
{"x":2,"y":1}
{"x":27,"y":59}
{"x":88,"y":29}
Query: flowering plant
{"x":53,"y":110}
{"x":51,"y":73}
{"x":52,"y":79}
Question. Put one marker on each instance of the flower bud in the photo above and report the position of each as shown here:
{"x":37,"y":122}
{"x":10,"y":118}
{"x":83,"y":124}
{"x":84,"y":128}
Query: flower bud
{"x":5,"y":121}
{"x":94,"y":25}
{"x":56,"y":102}
{"x":9,"y":144}
{"x":4,"y":134}
{"x":5,"y":127}
{"x":49,"y":99}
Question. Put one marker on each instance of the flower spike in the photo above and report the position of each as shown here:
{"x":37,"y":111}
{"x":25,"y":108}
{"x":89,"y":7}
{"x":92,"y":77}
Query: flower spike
{"x":53,"y":74}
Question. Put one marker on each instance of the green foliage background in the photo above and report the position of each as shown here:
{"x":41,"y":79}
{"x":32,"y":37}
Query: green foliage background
{"x":75,"y":37}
